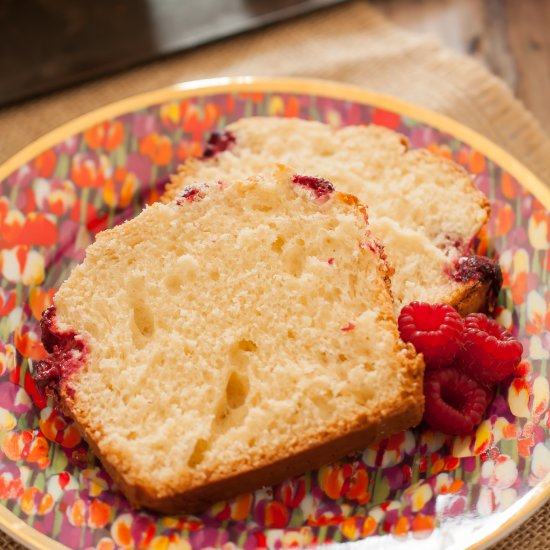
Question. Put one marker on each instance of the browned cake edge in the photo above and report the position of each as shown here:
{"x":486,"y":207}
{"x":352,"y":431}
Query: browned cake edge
{"x":472,"y":297}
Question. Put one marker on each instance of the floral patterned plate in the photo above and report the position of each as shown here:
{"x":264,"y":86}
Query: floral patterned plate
{"x":418,"y":487}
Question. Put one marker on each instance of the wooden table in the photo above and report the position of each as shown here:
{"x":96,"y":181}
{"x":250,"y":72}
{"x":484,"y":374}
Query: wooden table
{"x":510,"y":37}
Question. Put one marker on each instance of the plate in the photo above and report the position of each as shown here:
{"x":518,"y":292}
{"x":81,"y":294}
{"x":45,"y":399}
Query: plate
{"x":418,"y":488}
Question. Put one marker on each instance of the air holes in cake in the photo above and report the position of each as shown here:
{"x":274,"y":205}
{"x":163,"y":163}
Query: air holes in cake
{"x":320,"y":402}
{"x":247,"y":345}
{"x":329,"y":242}
{"x":255,"y":399}
{"x":173,"y":282}
{"x":277,"y":245}
{"x":291,"y":334}
{"x":239,"y":352}
{"x":232,"y":409}
{"x":143,"y":326}
{"x":215,"y":275}
{"x":342,"y":358}
{"x":197,"y":456}
{"x":333,"y":295}
{"x":294,"y":257}
{"x":236,"y":390}
{"x":252,"y":442}
{"x":362,"y":395}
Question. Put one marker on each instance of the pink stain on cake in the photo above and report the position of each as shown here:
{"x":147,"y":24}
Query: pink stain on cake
{"x":479,"y":268}
{"x":320,"y":186}
{"x":67,"y":354}
{"x":348,"y":327}
{"x":217,"y":143}
{"x":455,"y":246}
{"x":375,"y":246}
{"x":190,"y":194}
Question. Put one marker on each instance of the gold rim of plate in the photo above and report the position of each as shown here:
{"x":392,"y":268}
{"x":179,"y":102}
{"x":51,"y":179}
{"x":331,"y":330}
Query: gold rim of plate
{"x":500,"y":524}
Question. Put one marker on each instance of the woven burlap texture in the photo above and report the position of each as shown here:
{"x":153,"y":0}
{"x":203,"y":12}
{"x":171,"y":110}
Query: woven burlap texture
{"x":353,"y":43}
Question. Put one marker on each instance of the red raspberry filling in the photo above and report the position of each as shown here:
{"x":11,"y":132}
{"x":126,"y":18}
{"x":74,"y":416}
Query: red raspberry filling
{"x":67,"y":354}
{"x":217,"y":143}
{"x":435,"y":330}
{"x":455,"y":403}
{"x":190,"y":194}
{"x":483,"y":269}
{"x":490,"y":353}
{"x":320,"y":186}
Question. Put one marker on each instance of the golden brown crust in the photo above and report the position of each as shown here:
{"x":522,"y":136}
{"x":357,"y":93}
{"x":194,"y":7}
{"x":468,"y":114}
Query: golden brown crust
{"x":406,"y":413}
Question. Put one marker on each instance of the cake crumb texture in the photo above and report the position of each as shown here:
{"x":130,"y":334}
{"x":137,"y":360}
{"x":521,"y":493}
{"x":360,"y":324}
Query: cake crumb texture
{"x":233,"y":340}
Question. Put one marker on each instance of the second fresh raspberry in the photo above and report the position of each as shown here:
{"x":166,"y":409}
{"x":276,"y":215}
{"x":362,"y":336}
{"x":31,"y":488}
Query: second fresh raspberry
{"x":490,"y":353}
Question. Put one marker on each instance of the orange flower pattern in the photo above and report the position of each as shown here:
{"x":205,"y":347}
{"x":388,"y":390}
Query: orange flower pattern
{"x":402,"y":488}
{"x":157,"y":148}
{"x":57,"y":428}
{"x":348,"y":480}
{"x":86,"y":171}
{"x":108,"y":135}
{"x":119,"y":189}
{"x":29,"y":445}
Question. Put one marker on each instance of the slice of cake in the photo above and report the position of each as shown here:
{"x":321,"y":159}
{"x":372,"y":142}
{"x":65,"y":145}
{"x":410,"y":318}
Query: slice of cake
{"x":425,"y":209}
{"x":241,"y":334}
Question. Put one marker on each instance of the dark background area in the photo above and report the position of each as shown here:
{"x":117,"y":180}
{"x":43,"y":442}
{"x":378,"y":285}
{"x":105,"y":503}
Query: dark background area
{"x":50,"y":44}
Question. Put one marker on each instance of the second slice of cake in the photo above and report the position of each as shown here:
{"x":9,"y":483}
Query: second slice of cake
{"x":241,"y":334}
{"x":424,"y":208}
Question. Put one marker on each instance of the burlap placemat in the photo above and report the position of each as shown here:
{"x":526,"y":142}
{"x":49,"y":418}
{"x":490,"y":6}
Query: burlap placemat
{"x":353,"y":44}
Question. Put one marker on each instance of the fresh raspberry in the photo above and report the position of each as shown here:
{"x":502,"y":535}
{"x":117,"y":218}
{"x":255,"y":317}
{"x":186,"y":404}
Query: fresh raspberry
{"x":455,"y":403}
{"x":434,"y":330}
{"x":490,"y":353}
{"x":67,"y":353}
